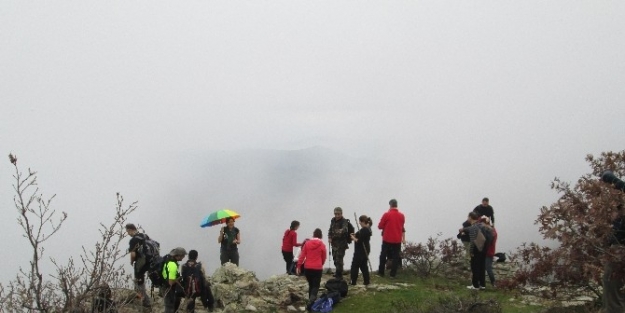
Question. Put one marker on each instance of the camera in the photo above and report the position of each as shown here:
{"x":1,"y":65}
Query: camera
{"x":610,"y":178}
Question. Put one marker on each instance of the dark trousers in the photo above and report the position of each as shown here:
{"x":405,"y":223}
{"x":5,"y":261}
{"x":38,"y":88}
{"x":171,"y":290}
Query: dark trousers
{"x":478,"y":268}
{"x":613,"y":296}
{"x":392,"y":250}
{"x":288,"y":258}
{"x":141,"y":266}
{"x":359,"y":262}
{"x":231,"y":256}
{"x":314,"y":281}
{"x":171,"y":301}
{"x":191,"y":305}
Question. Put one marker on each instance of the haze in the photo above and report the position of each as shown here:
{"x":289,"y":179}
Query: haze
{"x":283,"y":110}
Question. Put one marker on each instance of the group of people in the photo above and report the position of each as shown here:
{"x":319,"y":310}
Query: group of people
{"x":479,"y":236}
{"x":174,"y":276}
{"x":341,"y":234}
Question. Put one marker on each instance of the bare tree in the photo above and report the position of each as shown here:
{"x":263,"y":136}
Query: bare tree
{"x":73,"y":284}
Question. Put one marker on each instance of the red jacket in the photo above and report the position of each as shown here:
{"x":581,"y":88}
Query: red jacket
{"x":314,"y":253}
{"x":490,"y":252}
{"x":289,"y":241}
{"x":392,"y":226}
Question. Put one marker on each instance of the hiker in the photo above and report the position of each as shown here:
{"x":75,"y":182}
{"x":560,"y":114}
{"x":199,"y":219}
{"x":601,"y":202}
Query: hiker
{"x":490,"y":250}
{"x":478,"y":275}
{"x":393,"y":235}
{"x":139,"y":262}
{"x":466,"y":241}
{"x":313,"y":256}
{"x":613,"y":298}
{"x":229,"y":238}
{"x":194,"y":281}
{"x":289,"y":240}
{"x":484,"y":209}
{"x":174,"y":291}
{"x":361,"y":250}
{"x":339,"y":239}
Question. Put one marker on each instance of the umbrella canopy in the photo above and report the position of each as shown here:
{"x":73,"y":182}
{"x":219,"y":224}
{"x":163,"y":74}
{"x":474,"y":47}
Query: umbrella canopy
{"x":219,"y":217}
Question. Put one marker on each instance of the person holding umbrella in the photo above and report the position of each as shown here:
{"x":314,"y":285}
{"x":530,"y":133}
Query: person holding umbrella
{"x":229,"y":238}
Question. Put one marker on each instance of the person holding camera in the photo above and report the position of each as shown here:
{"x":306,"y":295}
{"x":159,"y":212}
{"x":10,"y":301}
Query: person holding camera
{"x":229,"y":238}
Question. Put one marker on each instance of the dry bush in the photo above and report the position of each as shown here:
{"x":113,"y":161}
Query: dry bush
{"x":74,"y":284}
{"x":434,"y":257}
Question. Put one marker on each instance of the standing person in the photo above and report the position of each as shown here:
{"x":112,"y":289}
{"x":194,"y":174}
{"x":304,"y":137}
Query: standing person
{"x":466,"y":242}
{"x":289,"y":240}
{"x":392,"y":226}
{"x":490,"y":250}
{"x":485,"y":209}
{"x":339,"y":238}
{"x":194,"y":281}
{"x":313,"y":256}
{"x":361,"y":250}
{"x":478,"y":262}
{"x":139,"y":262}
{"x":229,"y":238}
{"x":613,"y":297}
{"x":174,"y":293}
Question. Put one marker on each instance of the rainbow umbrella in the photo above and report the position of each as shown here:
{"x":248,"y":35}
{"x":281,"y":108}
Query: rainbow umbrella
{"x":219,"y":217}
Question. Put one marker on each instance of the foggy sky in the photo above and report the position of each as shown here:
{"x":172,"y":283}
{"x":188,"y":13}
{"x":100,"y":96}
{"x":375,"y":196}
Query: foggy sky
{"x":445,"y":101}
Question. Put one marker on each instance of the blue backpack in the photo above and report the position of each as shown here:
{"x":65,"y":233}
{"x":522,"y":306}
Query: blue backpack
{"x":325,"y":303}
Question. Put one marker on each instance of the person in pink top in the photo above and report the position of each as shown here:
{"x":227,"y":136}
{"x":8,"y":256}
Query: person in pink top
{"x":392,"y":226}
{"x":313,"y":256}
{"x":289,"y":240}
{"x":490,"y":250}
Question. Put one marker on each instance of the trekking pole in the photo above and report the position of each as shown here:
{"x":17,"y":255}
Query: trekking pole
{"x":363,"y":244}
{"x":330,"y":256}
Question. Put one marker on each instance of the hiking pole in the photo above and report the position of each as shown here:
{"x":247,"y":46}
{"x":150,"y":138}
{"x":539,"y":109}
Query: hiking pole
{"x":329,"y":271}
{"x":363,"y":244}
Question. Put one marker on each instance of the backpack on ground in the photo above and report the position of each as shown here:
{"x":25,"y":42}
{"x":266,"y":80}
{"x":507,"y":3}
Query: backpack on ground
{"x":148,"y":248}
{"x":338,"y":285}
{"x":325,"y":302}
{"x":192,"y":279}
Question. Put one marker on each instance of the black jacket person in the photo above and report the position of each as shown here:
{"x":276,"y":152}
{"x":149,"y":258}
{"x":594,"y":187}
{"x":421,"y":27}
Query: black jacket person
{"x":339,"y":238}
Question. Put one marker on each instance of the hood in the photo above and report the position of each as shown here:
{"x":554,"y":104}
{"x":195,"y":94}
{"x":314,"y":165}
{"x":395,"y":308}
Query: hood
{"x":314,"y":244}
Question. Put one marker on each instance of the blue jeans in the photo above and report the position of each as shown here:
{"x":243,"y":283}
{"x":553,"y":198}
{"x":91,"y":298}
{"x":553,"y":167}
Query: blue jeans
{"x":489,"y":269}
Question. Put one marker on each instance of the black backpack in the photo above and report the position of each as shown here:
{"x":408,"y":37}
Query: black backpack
{"x":192,"y":279}
{"x":155,"y":271}
{"x":338,"y":285}
{"x":148,"y":248}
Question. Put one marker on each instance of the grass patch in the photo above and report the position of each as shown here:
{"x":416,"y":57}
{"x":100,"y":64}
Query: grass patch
{"x":431,"y":295}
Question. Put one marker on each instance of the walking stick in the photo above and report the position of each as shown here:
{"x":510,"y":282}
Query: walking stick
{"x":363,"y":244}
{"x":329,"y":270}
